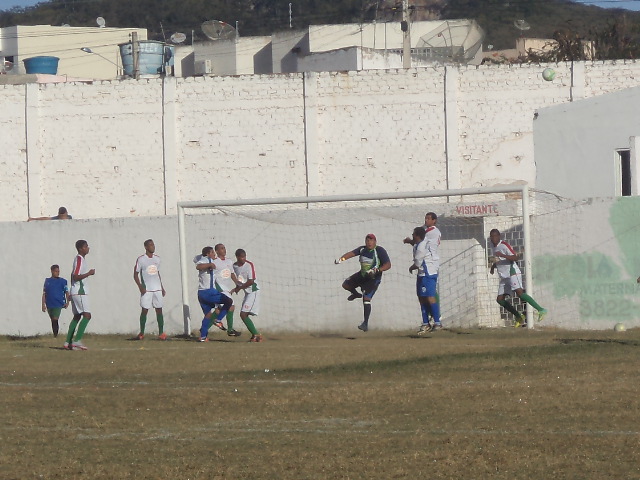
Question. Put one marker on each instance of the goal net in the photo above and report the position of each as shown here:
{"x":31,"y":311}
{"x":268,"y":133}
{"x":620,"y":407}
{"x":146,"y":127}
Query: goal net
{"x":293,"y":244}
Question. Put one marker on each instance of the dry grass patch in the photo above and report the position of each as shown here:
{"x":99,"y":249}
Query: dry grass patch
{"x":468,"y":404}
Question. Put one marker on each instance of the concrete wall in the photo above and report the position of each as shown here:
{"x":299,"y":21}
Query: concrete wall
{"x":135,"y":148}
{"x":353,"y":58}
{"x":587,"y":279}
{"x":582,"y":138}
{"x":241,"y":56}
{"x":222,"y":54}
{"x":335,"y":60}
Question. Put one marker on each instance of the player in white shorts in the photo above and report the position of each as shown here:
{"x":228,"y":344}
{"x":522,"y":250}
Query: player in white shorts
{"x":505,"y":259}
{"x":225,"y":282}
{"x":245,"y":273}
{"x":79,"y":298}
{"x":146,"y":274}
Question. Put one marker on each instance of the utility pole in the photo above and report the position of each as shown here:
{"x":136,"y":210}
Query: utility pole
{"x":406,"y":37}
{"x":135,"y":50}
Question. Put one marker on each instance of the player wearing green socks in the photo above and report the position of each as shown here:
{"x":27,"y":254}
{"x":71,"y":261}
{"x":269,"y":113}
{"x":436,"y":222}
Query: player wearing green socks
{"x":79,"y":298}
{"x":505,"y":259}
{"x":146,"y":274}
{"x":245,"y":273}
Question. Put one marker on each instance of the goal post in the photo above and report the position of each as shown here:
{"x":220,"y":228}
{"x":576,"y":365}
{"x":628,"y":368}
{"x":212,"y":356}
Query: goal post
{"x":294,"y":240}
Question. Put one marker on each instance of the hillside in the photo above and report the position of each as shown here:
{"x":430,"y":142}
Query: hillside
{"x":258,"y":17}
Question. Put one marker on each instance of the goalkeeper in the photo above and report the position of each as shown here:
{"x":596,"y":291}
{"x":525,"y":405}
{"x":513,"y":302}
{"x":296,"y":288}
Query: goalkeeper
{"x":373,"y":261}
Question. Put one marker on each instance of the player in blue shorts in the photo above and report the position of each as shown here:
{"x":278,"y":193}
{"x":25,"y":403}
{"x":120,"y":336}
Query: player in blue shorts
{"x":208,"y":296}
{"x":426,"y":261}
{"x":373,"y":261}
{"x":55,"y":297}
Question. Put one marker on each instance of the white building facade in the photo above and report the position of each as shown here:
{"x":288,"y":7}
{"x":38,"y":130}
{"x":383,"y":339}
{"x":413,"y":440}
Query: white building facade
{"x":20,"y":42}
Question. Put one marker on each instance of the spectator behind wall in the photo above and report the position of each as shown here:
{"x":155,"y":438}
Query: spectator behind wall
{"x":62,"y":215}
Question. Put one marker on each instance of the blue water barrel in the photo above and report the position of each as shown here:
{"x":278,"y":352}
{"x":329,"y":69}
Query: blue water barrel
{"x":151,"y":60}
{"x":41,"y":64}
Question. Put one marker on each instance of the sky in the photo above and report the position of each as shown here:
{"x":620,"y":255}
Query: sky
{"x":627,"y":4}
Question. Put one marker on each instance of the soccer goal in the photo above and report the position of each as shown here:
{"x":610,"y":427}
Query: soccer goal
{"x":293,"y":243}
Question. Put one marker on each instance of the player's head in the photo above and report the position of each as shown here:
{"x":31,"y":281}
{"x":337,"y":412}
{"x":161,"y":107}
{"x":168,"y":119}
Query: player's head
{"x":418,"y":234}
{"x":221,"y":250}
{"x":55,"y":271}
{"x":370,"y":241}
{"x":241,"y":256}
{"x":207,"y":251}
{"x":494,"y":235}
{"x":62,"y":211}
{"x":149,"y":246}
{"x":82,"y":247}
{"x":430,"y":219}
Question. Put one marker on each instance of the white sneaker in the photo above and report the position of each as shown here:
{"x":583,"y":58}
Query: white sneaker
{"x":424,"y":328}
{"x":78,"y":346}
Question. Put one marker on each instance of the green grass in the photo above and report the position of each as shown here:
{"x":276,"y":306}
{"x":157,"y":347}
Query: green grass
{"x":462,"y":405}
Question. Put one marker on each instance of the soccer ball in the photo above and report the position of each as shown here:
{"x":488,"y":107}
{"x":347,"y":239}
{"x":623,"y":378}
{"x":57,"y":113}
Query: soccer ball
{"x":619,"y":327}
{"x":548,"y":74}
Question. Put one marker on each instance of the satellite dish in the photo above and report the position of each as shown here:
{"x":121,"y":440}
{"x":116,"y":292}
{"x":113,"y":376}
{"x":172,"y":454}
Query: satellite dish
{"x":217,"y":30}
{"x":521,"y":25}
{"x":101,"y":22}
{"x":178,"y":38}
{"x":489,"y":47}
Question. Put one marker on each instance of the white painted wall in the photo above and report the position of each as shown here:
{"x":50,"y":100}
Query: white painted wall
{"x":135,"y":148}
{"x":353,"y":58}
{"x":241,"y":56}
{"x":580,"y":139}
{"x":588,"y":283}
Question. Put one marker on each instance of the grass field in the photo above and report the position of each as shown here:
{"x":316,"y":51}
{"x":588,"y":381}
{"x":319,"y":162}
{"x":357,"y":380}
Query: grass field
{"x":477,"y":404}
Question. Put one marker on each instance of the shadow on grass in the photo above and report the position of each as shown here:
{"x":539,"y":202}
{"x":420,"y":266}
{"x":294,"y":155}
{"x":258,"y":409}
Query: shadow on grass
{"x":567,"y":341}
{"x":23,"y":337}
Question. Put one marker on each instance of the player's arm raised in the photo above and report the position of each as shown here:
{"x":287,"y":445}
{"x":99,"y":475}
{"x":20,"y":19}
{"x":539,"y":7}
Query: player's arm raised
{"x":206,"y":266}
{"x":344,"y":257}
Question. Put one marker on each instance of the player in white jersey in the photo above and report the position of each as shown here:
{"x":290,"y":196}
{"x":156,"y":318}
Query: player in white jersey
{"x":79,"y":298}
{"x":146,"y":274}
{"x":245,"y":273}
{"x":430,"y":220}
{"x":426,"y":259}
{"x":225,"y":282}
{"x":410,"y":240}
{"x":505,"y":259}
{"x":208,"y":296}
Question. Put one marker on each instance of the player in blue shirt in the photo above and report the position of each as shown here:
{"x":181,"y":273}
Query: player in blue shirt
{"x":55,"y":297}
{"x":373,"y":261}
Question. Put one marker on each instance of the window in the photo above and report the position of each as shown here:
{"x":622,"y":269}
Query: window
{"x":623,"y":170}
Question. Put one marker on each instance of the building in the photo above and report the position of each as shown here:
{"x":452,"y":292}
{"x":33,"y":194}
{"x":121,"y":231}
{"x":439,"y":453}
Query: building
{"x":339,"y":48}
{"x":590,"y":147}
{"x":538,"y":47}
{"x":20,"y":42}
